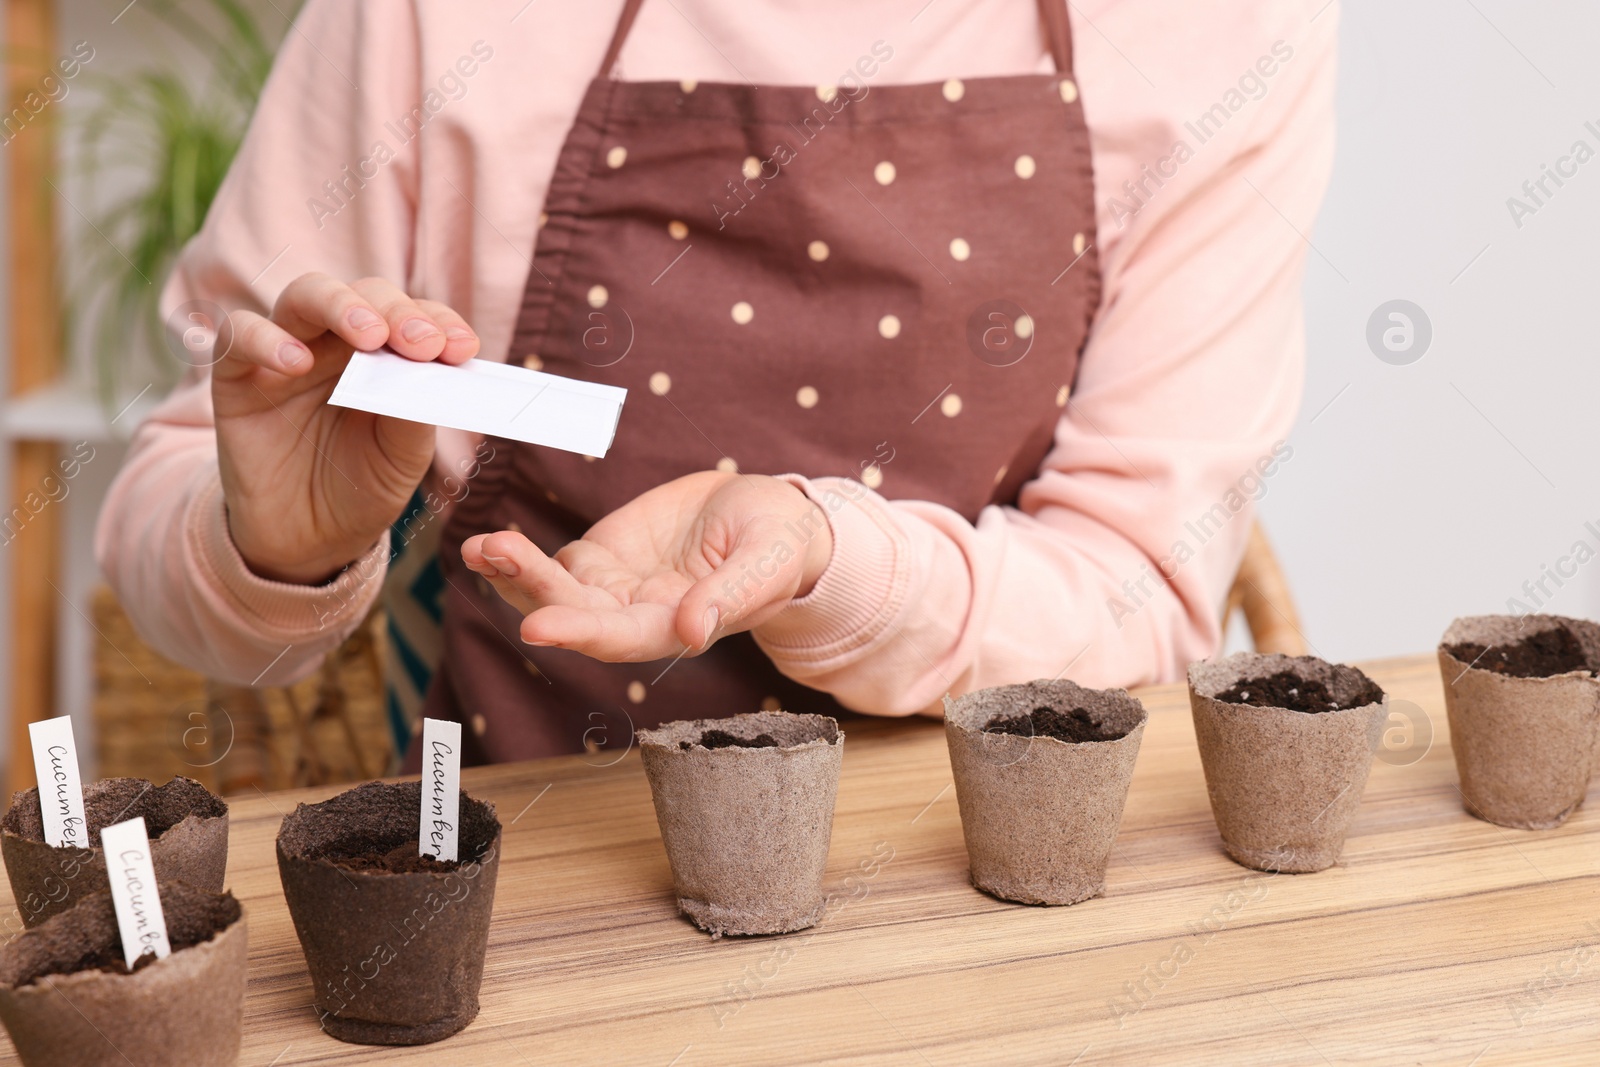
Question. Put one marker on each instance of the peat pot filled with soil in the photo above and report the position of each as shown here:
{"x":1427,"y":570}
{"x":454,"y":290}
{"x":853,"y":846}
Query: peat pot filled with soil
{"x":394,"y":940}
{"x":67,"y":997}
{"x":745,"y":806}
{"x":1524,"y":707}
{"x":188,"y":827}
{"x":1286,"y":743}
{"x":1041,"y":773}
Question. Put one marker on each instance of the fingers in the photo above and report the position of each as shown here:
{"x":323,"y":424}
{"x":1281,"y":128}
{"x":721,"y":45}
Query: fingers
{"x":260,"y":342}
{"x":595,"y":566}
{"x":508,"y":591}
{"x":373,"y":312}
{"x":314,"y":304}
{"x":638,"y":633}
{"x":461,"y":343}
{"x":565,"y":612}
{"x":524,"y":576}
{"x":412,"y":332}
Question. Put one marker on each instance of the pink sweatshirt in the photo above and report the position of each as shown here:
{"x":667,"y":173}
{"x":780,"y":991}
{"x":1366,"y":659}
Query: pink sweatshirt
{"x":1212,"y":135}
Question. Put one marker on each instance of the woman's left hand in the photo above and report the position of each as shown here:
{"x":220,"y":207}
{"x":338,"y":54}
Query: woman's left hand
{"x":698,"y":558}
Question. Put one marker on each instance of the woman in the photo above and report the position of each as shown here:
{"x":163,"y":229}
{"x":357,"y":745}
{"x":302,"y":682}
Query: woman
{"x":953,"y":355}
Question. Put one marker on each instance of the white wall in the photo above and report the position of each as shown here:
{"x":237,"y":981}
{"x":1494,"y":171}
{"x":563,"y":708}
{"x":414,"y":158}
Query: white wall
{"x":1437,"y":488}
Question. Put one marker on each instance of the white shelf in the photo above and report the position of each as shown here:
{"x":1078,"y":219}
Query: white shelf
{"x":70,"y":411}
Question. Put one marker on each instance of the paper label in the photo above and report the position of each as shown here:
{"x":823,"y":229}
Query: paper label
{"x":486,"y":397}
{"x":133,"y":891}
{"x":439,"y":831}
{"x":55,"y":762}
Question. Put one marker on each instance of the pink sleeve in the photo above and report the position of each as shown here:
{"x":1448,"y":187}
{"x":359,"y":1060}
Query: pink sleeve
{"x":162,"y":539}
{"x":1113,"y":568}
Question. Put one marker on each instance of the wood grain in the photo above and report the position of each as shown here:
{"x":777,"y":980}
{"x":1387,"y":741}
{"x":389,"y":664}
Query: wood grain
{"x":35,"y":338}
{"x":1441,"y":938}
{"x":33,"y":553}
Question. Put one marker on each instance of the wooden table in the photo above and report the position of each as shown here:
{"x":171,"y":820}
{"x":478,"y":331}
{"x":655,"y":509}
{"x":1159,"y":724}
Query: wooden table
{"x":1441,"y":940}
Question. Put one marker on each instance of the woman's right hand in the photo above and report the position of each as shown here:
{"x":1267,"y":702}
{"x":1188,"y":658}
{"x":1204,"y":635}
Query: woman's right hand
{"x":309,"y":487}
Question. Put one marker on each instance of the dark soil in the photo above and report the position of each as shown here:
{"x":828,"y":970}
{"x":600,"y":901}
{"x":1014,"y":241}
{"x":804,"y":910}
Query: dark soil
{"x":1075,"y":726}
{"x":112,"y":962}
{"x":89,"y":941}
{"x":113,"y":800}
{"x":1538,"y":655}
{"x":401,"y":859}
{"x":373,"y":829}
{"x":1286,"y":689}
{"x":723,"y":739}
{"x":186,"y":927}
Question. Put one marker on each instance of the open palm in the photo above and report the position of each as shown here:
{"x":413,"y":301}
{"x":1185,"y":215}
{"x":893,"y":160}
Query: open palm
{"x":702,"y":556}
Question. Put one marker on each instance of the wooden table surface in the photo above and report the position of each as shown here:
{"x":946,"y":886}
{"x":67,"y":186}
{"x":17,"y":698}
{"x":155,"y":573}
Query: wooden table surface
{"x":1440,"y":940}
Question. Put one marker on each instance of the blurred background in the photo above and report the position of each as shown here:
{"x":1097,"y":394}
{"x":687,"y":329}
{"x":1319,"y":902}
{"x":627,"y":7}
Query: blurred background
{"x":1443,"y":459}
{"x":120,"y":123}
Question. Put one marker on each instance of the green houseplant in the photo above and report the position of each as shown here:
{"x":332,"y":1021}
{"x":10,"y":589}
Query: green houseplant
{"x":168,"y":140}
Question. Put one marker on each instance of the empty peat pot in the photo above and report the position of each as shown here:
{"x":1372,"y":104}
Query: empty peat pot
{"x":1286,"y":743}
{"x":66,"y":996}
{"x":1524,"y":708}
{"x":394,"y":941}
{"x":745,"y":806}
{"x":187,"y":824}
{"x":1041,"y":773}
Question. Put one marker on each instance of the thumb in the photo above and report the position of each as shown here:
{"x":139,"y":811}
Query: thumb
{"x":756,"y":579}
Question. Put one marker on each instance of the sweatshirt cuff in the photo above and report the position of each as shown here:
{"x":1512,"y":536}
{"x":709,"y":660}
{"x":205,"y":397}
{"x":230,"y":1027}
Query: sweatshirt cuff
{"x":862,"y":589}
{"x":282,"y":611}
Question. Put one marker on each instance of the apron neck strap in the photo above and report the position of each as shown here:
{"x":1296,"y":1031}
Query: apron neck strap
{"x":1058,"y":32}
{"x":630,"y":11}
{"x":1052,"y":16}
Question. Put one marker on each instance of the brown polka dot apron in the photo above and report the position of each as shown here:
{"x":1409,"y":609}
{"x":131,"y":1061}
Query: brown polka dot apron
{"x":886,"y":282}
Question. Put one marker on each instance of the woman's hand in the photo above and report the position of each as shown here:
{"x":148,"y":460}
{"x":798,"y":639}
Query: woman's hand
{"x":700,"y":557}
{"x":311,"y":487}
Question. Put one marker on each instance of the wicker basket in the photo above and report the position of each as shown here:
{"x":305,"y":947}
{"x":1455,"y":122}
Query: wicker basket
{"x":155,"y":719}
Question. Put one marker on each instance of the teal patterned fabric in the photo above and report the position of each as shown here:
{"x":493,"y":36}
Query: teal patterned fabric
{"x":413,"y":604}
